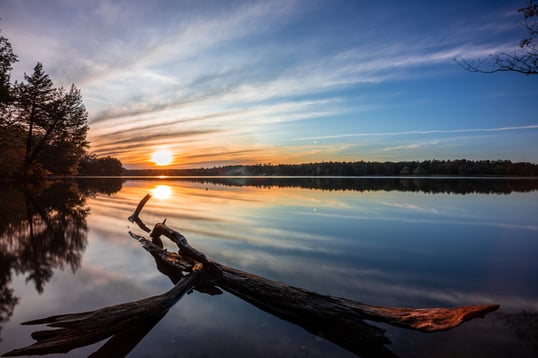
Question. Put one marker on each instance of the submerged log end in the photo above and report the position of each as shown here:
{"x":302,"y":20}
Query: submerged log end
{"x":434,"y":319}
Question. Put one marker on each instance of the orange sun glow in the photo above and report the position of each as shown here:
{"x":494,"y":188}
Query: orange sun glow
{"x":162,"y":157}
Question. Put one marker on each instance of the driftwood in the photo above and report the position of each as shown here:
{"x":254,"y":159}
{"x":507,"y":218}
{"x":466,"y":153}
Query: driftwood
{"x":337,"y":319}
{"x":82,"y":329}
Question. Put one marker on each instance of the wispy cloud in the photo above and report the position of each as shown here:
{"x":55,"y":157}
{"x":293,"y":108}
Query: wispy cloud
{"x":423,"y":132}
{"x":264,"y":74}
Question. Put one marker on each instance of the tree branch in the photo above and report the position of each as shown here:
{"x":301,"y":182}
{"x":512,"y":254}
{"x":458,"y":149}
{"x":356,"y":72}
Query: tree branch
{"x":524,"y":61}
{"x":82,"y":329}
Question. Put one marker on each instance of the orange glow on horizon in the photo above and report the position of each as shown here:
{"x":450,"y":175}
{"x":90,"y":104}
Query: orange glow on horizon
{"x":215,"y":153}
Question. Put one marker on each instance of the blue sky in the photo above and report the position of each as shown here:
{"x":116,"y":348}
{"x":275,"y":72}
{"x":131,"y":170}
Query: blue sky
{"x":228,"y":82}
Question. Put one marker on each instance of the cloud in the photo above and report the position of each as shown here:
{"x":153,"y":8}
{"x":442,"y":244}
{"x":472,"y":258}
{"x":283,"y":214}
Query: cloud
{"x":211,"y":71}
{"x":423,"y":132}
{"x":261,"y":73}
{"x":403,"y":147}
{"x":410,"y":146}
{"x":119,"y":139}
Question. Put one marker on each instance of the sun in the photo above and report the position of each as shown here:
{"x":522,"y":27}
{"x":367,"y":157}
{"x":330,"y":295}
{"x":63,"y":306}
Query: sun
{"x":162,"y":157}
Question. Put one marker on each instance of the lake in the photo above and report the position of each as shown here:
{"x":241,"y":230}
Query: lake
{"x":405,"y":242}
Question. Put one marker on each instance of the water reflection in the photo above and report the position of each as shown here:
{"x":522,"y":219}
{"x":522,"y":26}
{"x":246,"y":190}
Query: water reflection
{"x":382,"y":241}
{"x":161,"y":192}
{"x":42,"y":228}
{"x":425,"y":185}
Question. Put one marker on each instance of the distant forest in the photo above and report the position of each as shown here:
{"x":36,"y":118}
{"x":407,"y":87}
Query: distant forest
{"x":461,"y":167}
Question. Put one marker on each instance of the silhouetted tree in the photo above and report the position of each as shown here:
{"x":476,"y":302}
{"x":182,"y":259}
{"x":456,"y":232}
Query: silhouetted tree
{"x":10,"y":138}
{"x":90,"y":164}
{"x":461,"y":167}
{"x":7,"y":59}
{"x":42,"y":129}
{"x":55,"y":125}
{"x":525,"y":60}
{"x":64,"y":142}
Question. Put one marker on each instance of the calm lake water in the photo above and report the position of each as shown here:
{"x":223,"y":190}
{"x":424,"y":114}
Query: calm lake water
{"x":64,"y":247}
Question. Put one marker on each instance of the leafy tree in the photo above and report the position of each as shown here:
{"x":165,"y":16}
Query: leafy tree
{"x":33,"y":101}
{"x":55,"y":125}
{"x":91,"y":165}
{"x":42,"y":128}
{"x":64,"y":142}
{"x":525,"y":60}
{"x":8,"y":138}
{"x":7,"y":59}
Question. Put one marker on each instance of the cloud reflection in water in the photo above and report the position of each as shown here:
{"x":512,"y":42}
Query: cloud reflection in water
{"x":376,"y":246}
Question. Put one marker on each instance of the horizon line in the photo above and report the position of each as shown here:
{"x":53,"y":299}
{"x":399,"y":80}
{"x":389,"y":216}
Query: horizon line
{"x":338,"y":162}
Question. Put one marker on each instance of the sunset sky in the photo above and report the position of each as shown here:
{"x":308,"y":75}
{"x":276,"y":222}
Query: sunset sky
{"x":245,"y":82}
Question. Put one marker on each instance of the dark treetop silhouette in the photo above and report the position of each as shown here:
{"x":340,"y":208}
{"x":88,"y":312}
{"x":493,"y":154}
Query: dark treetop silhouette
{"x":42,"y":128}
{"x":336,"y":319}
{"x":459,"y":167}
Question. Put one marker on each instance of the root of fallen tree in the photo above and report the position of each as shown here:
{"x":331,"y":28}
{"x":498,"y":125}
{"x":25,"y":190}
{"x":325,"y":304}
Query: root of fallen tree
{"x":339,"y":320}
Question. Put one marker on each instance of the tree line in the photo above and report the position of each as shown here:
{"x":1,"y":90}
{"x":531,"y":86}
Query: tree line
{"x":460,"y":167}
{"x":42,"y":128}
{"x":90,"y":164}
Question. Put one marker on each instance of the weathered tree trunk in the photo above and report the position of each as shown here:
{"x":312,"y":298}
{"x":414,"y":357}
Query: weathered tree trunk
{"x":293,"y":301}
{"x":337,"y":319}
{"x":85,"y":328}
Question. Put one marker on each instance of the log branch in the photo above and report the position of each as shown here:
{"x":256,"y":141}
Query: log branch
{"x":135,"y":218}
{"x":82,"y":329}
{"x":279,"y":297}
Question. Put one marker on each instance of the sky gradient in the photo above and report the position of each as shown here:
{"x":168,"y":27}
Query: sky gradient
{"x":245,"y":82}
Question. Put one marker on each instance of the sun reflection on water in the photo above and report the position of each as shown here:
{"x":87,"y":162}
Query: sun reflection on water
{"x":161,"y":192}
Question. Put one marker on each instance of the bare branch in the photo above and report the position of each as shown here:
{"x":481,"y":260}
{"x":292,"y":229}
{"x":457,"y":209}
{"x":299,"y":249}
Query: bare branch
{"x":135,"y":218}
{"x":524,"y":61}
{"x":82,"y":329}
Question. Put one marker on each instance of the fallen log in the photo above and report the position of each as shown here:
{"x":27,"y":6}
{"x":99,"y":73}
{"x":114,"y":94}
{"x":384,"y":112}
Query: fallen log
{"x":282,"y":298}
{"x":339,"y":320}
{"x":85,"y":328}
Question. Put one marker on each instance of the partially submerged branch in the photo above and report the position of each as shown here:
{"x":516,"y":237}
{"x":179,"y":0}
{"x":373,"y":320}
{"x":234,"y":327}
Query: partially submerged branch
{"x":279,"y":297}
{"x":135,"y":218}
{"x":82,"y":329}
